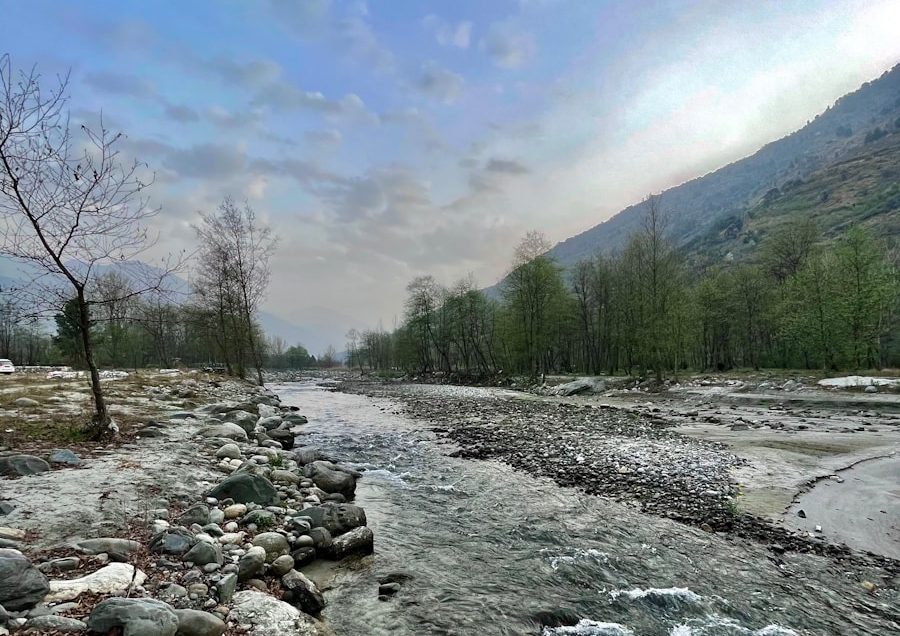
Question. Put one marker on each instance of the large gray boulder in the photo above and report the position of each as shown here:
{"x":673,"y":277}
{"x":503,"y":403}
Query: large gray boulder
{"x":172,"y":541}
{"x":358,"y":541}
{"x":302,"y":593}
{"x":246,"y":487}
{"x":273,"y":543}
{"x":22,"y":465}
{"x":64,"y":456}
{"x":252,"y":563}
{"x":22,"y":586}
{"x":198,"y":513}
{"x":134,"y":616}
{"x":227,"y":430}
{"x":203,"y":553}
{"x":196,"y":623}
{"x":331,"y":480}
{"x":245,"y":420}
{"x":270,"y":617}
{"x":336,"y":518}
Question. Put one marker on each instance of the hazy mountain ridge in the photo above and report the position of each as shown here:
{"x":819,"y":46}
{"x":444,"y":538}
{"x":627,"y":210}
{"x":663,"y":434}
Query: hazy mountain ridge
{"x":697,"y":206}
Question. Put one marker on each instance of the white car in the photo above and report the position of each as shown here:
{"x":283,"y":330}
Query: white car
{"x":6,"y":366}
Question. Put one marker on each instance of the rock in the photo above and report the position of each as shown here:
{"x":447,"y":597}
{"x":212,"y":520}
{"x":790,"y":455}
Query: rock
{"x":295,"y":420}
{"x":247,"y":421}
{"x":260,"y":518}
{"x":229,"y":451}
{"x":51,"y":623}
{"x":6,"y":508}
{"x":216,"y":516}
{"x":336,"y":518}
{"x":302,"y":593}
{"x":252,"y":563}
{"x":285,"y":477}
{"x":12,"y":534}
{"x":330,"y":480}
{"x":581,"y":385}
{"x":198,"y":513}
{"x":226,"y":587}
{"x":64,"y":456}
{"x":114,"y":578}
{"x":64,"y":564}
{"x":172,"y":541}
{"x":135,"y":616}
{"x":227,"y":430}
{"x":234,"y":511}
{"x":321,"y":538}
{"x":22,"y":585}
{"x":282,"y":565}
{"x":358,"y":541}
{"x":196,"y":623}
{"x":285,"y":438}
{"x":26,"y":402}
{"x":246,"y":488}
{"x":871,"y":389}
{"x":269,"y":616}
{"x":306,"y":455}
{"x":801,"y":513}
{"x":303,"y":556}
{"x":22,"y":465}
{"x":107,"y":545}
{"x":203,"y":553}
{"x":274,"y":544}
{"x":270,"y":423}
{"x":388,"y":589}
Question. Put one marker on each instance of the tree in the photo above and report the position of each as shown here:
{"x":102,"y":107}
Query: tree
{"x":69,"y":205}
{"x":234,"y":253}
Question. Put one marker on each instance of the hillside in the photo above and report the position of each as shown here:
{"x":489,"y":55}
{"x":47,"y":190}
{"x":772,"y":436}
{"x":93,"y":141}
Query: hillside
{"x":841,"y":167}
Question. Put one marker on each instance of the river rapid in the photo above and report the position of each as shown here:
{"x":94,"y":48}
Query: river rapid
{"x":492,"y":551}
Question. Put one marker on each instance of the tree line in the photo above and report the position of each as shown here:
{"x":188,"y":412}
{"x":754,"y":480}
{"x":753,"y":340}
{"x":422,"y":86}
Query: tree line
{"x":800,"y":302}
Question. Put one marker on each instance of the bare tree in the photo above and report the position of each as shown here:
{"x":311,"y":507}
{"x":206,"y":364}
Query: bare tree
{"x":69,"y":205}
{"x":235,"y":250}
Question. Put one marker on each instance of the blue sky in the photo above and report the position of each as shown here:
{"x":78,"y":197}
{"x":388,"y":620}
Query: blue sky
{"x":387,"y":139}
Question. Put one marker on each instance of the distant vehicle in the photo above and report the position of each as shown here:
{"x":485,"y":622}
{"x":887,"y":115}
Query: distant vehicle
{"x":7,"y":367}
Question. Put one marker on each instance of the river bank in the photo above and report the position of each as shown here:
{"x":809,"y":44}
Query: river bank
{"x":200,"y":519}
{"x":696,"y":457}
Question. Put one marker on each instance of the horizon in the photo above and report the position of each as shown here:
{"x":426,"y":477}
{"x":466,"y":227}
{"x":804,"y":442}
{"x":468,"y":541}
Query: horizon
{"x":429,"y":140}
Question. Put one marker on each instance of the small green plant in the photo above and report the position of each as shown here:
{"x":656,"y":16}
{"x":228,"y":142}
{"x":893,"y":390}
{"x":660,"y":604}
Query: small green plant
{"x":277,"y":461}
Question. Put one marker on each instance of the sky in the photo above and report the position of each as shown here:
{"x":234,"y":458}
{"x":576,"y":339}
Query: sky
{"x":385,"y":140}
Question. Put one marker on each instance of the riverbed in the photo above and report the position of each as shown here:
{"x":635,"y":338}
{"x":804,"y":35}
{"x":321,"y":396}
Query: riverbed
{"x":485,"y":549}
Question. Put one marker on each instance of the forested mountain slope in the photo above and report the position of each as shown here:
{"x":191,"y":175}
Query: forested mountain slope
{"x":842,"y":166}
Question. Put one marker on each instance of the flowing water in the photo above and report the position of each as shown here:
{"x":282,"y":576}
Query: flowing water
{"x":493,"y":551}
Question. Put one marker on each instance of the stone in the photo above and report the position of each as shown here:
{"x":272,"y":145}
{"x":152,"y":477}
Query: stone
{"x":135,"y":616}
{"x":234,"y":511}
{"x":282,"y":565}
{"x":252,"y":563}
{"x":64,"y":456}
{"x":51,"y":623}
{"x":6,"y":507}
{"x":216,"y":516}
{"x":226,"y":588}
{"x":260,"y":518}
{"x":285,"y":438}
{"x":274,"y":544}
{"x":302,"y":593}
{"x":114,"y":578}
{"x":107,"y":545}
{"x":203,"y":553}
{"x":22,"y":585}
{"x":270,"y":617}
{"x":196,"y":623}
{"x":388,"y":589}
{"x":247,"y":421}
{"x":246,"y":488}
{"x":198,"y":513}
{"x":198,"y":590}
{"x":172,"y":541}
{"x":64,"y":564}
{"x":295,"y":420}
{"x":26,"y":402}
{"x":22,"y":465}
{"x":303,"y":556}
{"x":321,"y":538}
{"x":336,"y":518}
{"x":358,"y":541}
{"x":269,"y":423}
{"x":12,"y":534}
{"x":229,"y":451}
{"x":226,"y":430}
{"x":285,"y":477}
{"x":331,"y":480}
{"x":306,"y":455}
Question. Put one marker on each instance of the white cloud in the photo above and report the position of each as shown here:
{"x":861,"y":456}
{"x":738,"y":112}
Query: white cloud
{"x":507,"y":47}
{"x":457,"y":35}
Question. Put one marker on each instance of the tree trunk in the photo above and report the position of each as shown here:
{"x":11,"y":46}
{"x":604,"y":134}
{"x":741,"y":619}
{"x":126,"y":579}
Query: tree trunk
{"x":100,"y":427}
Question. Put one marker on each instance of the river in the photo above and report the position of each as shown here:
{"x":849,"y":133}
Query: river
{"x":493,"y":551}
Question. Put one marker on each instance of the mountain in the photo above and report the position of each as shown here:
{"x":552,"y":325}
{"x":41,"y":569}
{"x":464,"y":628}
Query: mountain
{"x":842,"y":167}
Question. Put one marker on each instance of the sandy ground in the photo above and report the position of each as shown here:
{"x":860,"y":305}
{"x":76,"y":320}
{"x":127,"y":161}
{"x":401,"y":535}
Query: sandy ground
{"x":833,"y":454}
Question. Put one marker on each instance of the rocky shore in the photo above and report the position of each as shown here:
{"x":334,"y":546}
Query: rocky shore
{"x":635,"y":456}
{"x":221,"y":513}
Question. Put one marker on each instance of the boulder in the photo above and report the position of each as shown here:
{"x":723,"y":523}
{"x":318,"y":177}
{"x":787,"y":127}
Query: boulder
{"x":54,"y":624}
{"x":302,"y":593}
{"x":336,"y":518}
{"x":22,"y":585}
{"x":25,"y":402}
{"x":282,"y":565}
{"x":307,"y":455}
{"x":246,"y":488}
{"x":203,"y":553}
{"x":196,"y":623}
{"x":269,"y":616}
{"x":229,"y":451}
{"x":285,"y":438}
{"x":252,"y":563}
{"x":285,"y":477}
{"x":260,"y":518}
{"x":22,"y":465}
{"x":134,"y":616}
{"x":198,"y":513}
{"x":64,"y":456}
{"x":227,"y":430}
{"x":247,"y":421}
{"x":331,"y":480}
{"x":172,"y":541}
{"x":303,"y":556}
{"x":273,"y":543}
{"x":107,"y":545}
{"x":358,"y":541}
{"x":114,"y":578}
{"x":270,"y":423}
{"x":295,"y":420}
{"x":226,"y":587}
